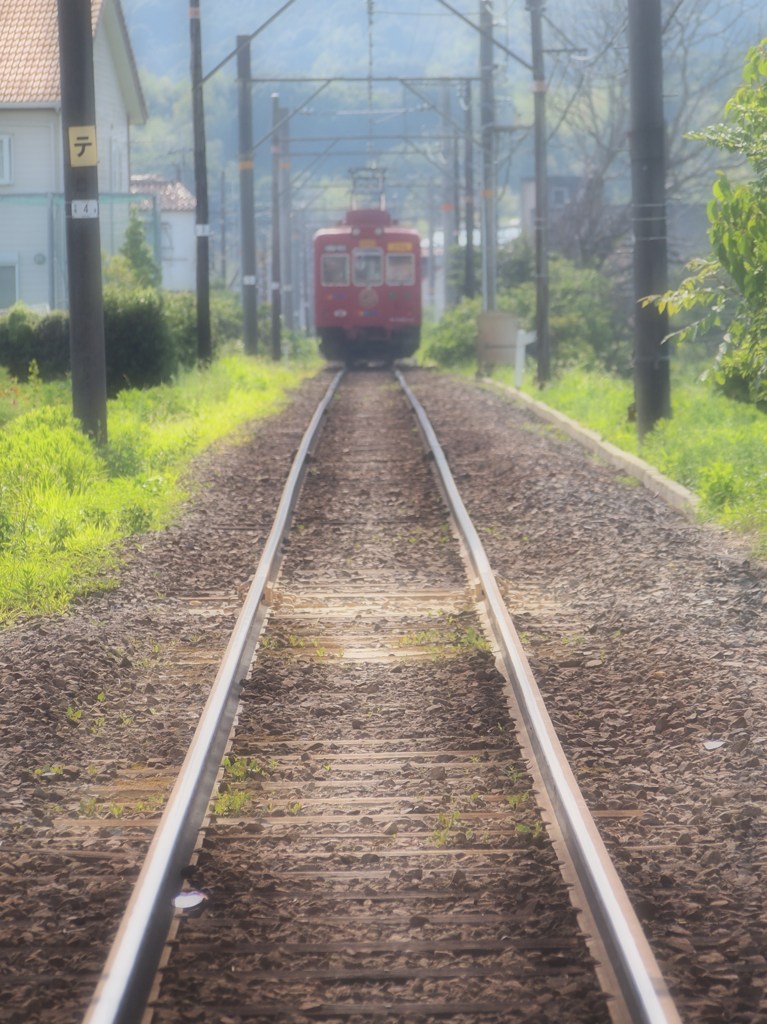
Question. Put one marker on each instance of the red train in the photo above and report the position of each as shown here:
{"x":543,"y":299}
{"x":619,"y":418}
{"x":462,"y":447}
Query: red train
{"x":367,"y":288}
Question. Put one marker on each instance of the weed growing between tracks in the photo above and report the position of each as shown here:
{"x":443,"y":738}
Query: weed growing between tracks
{"x":65,"y":503}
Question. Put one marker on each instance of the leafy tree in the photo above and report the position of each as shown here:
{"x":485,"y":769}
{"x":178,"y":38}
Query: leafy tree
{"x":589,"y":112}
{"x":137,"y":251}
{"x":730,"y":284}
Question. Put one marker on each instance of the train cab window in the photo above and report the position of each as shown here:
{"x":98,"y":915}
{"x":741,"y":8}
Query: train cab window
{"x":334,"y":269}
{"x":368,"y":267}
{"x":400,"y":268}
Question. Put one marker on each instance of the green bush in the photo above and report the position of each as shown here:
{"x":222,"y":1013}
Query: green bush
{"x":140,"y":350}
{"x":180,"y":314}
{"x":584,"y":320}
{"x":52,"y":345}
{"x":17,"y":331}
{"x":180,"y":310}
{"x":226,"y":322}
{"x":27,"y":337}
{"x":585,"y":324}
{"x":452,"y":341}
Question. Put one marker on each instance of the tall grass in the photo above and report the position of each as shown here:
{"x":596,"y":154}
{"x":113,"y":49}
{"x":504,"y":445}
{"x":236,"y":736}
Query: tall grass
{"x":713,"y":445}
{"x":65,"y":504}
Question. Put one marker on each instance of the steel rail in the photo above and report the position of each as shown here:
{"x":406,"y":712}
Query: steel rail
{"x":642,"y":987}
{"x":126,"y":980}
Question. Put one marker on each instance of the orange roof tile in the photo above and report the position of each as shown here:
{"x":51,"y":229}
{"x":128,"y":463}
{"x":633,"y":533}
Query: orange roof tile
{"x":29,"y":61}
{"x":173,"y":195}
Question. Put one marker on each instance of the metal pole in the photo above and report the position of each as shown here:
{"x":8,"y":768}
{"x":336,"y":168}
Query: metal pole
{"x":489,"y":231}
{"x":286,"y":225}
{"x":470,"y":279}
{"x":543,"y":346}
{"x":432,"y":261}
{"x":204,"y":348}
{"x":448,"y":207}
{"x":81,"y":195}
{"x":223,"y":227}
{"x":651,"y":357}
{"x":276,"y":283}
{"x":247,"y":202}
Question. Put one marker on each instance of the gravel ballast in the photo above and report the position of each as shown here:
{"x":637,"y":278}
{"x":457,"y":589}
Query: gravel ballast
{"x":644,"y":629}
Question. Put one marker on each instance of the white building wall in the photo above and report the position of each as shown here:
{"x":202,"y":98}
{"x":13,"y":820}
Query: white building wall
{"x":179,"y":251}
{"x":29,"y":214}
{"x":112,"y":138}
{"x":32,"y":225}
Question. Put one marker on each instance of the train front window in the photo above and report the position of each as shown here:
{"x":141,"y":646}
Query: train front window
{"x":334,"y":269}
{"x":368,"y":267}
{"x":400,"y":268}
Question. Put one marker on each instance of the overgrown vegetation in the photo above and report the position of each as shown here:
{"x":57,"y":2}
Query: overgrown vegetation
{"x":587,"y":325}
{"x":714,"y":446}
{"x":730,"y":285}
{"x":64,"y":503}
{"x":149,"y":336}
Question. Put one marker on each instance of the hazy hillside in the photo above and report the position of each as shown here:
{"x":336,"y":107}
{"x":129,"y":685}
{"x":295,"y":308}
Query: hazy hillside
{"x":309,"y":38}
{"x":412,"y":38}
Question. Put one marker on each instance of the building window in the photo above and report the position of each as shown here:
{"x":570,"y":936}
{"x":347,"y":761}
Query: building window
{"x":9,"y":280}
{"x":559,"y":197}
{"x":6,"y":160}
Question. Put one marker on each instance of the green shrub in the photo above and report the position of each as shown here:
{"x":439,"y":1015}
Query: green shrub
{"x":17,"y":331}
{"x":584,"y":320}
{"x":52,"y":345}
{"x":180,"y":310}
{"x":140,"y":351}
{"x":27,"y":337}
{"x":180,"y":313}
{"x":452,"y":341}
{"x":585,"y":324}
{"x":226,"y":321}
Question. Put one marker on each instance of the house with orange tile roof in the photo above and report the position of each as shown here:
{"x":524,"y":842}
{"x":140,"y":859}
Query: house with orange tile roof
{"x":32,"y":229}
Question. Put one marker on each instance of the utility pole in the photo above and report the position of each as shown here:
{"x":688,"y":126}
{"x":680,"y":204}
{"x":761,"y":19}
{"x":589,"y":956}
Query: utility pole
{"x":652,"y":385}
{"x":204,"y":348}
{"x":81,"y":194}
{"x":276,"y":282}
{"x":223,"y":227}
{"x":448,"y":207}
{"x":287,"y":275}
{"x":470,"y":281}
{"x":487,"y":109}
{"x":247,"y":202}
{"x":543,"y":345}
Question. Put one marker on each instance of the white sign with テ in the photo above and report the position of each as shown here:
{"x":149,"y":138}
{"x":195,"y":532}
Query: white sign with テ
{"x":85,"y":209}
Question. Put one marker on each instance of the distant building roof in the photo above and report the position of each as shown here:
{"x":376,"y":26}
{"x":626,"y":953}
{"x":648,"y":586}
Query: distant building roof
{"x":30,"y":60}
{"x":172,"y":195}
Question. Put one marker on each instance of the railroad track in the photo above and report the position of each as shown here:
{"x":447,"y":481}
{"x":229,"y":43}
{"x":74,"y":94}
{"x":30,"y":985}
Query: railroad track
{"x":394,"y":833}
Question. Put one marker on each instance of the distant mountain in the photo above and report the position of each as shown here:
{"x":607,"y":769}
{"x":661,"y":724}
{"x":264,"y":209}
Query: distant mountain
{"x":308,"y":38}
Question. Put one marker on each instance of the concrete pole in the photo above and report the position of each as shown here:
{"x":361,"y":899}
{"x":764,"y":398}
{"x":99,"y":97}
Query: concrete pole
{"x":648,"y":170}
{"x":247,"y":202}
{"x":81,"y":194}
